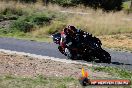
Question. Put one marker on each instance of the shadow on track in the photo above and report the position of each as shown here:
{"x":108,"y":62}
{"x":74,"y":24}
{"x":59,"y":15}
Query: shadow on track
{"x":118,"y":63}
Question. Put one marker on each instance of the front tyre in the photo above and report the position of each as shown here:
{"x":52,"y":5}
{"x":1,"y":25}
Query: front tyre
{"x":61,"y":50}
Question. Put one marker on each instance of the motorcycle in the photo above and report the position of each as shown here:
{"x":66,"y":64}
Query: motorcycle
{"x":90,"y":49}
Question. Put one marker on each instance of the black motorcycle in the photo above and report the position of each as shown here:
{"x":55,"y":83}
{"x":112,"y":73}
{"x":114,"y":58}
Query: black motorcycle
{"x":90,"y":49}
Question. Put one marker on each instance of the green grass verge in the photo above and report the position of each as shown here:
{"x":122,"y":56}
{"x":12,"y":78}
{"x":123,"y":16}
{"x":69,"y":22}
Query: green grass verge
{"x":26,"y":36}
{"x":40,"y":81}
{"x":117,"y":72}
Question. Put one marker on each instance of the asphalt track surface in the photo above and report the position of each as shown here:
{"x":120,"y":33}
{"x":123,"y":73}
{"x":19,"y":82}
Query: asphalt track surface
{"x":119,"y":59}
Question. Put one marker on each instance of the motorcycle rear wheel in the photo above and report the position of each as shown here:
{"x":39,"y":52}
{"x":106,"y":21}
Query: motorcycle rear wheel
{"x":103,"y":56}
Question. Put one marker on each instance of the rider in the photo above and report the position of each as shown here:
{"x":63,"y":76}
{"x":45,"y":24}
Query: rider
{"x":68,"y":41}
{"x":78,"y":35}
{"x":67,"y":37}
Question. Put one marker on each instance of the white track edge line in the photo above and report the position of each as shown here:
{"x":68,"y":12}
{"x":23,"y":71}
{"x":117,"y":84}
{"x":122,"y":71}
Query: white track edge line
{"x":44,"y":57}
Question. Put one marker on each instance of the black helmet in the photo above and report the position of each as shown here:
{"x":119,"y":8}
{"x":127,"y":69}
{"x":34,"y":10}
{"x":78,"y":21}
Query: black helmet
{"x":73,"y":28}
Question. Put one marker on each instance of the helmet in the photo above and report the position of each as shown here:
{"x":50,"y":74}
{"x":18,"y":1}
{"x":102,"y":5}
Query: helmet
{"x":65,"y":30}
{"x":72,"y":28}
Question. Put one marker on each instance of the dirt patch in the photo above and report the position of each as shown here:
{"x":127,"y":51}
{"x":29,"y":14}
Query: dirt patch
{"x":30,"y":67}
{"x":5,"y":24}
{"x":119,"y":41}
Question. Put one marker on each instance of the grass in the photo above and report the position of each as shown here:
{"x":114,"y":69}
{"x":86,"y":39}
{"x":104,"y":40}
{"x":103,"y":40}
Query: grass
{"x":119,"y":73}
{"x":102,"y":24}
{"x":97,"y":22}
{"x":29,"y":23}
{"x":126,"y":4}
{"x":40,"y":81}
{"x":26,"y":36}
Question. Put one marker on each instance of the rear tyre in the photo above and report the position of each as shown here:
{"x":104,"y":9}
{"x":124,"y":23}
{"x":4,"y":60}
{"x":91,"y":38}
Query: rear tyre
{"x":103,"y":56}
